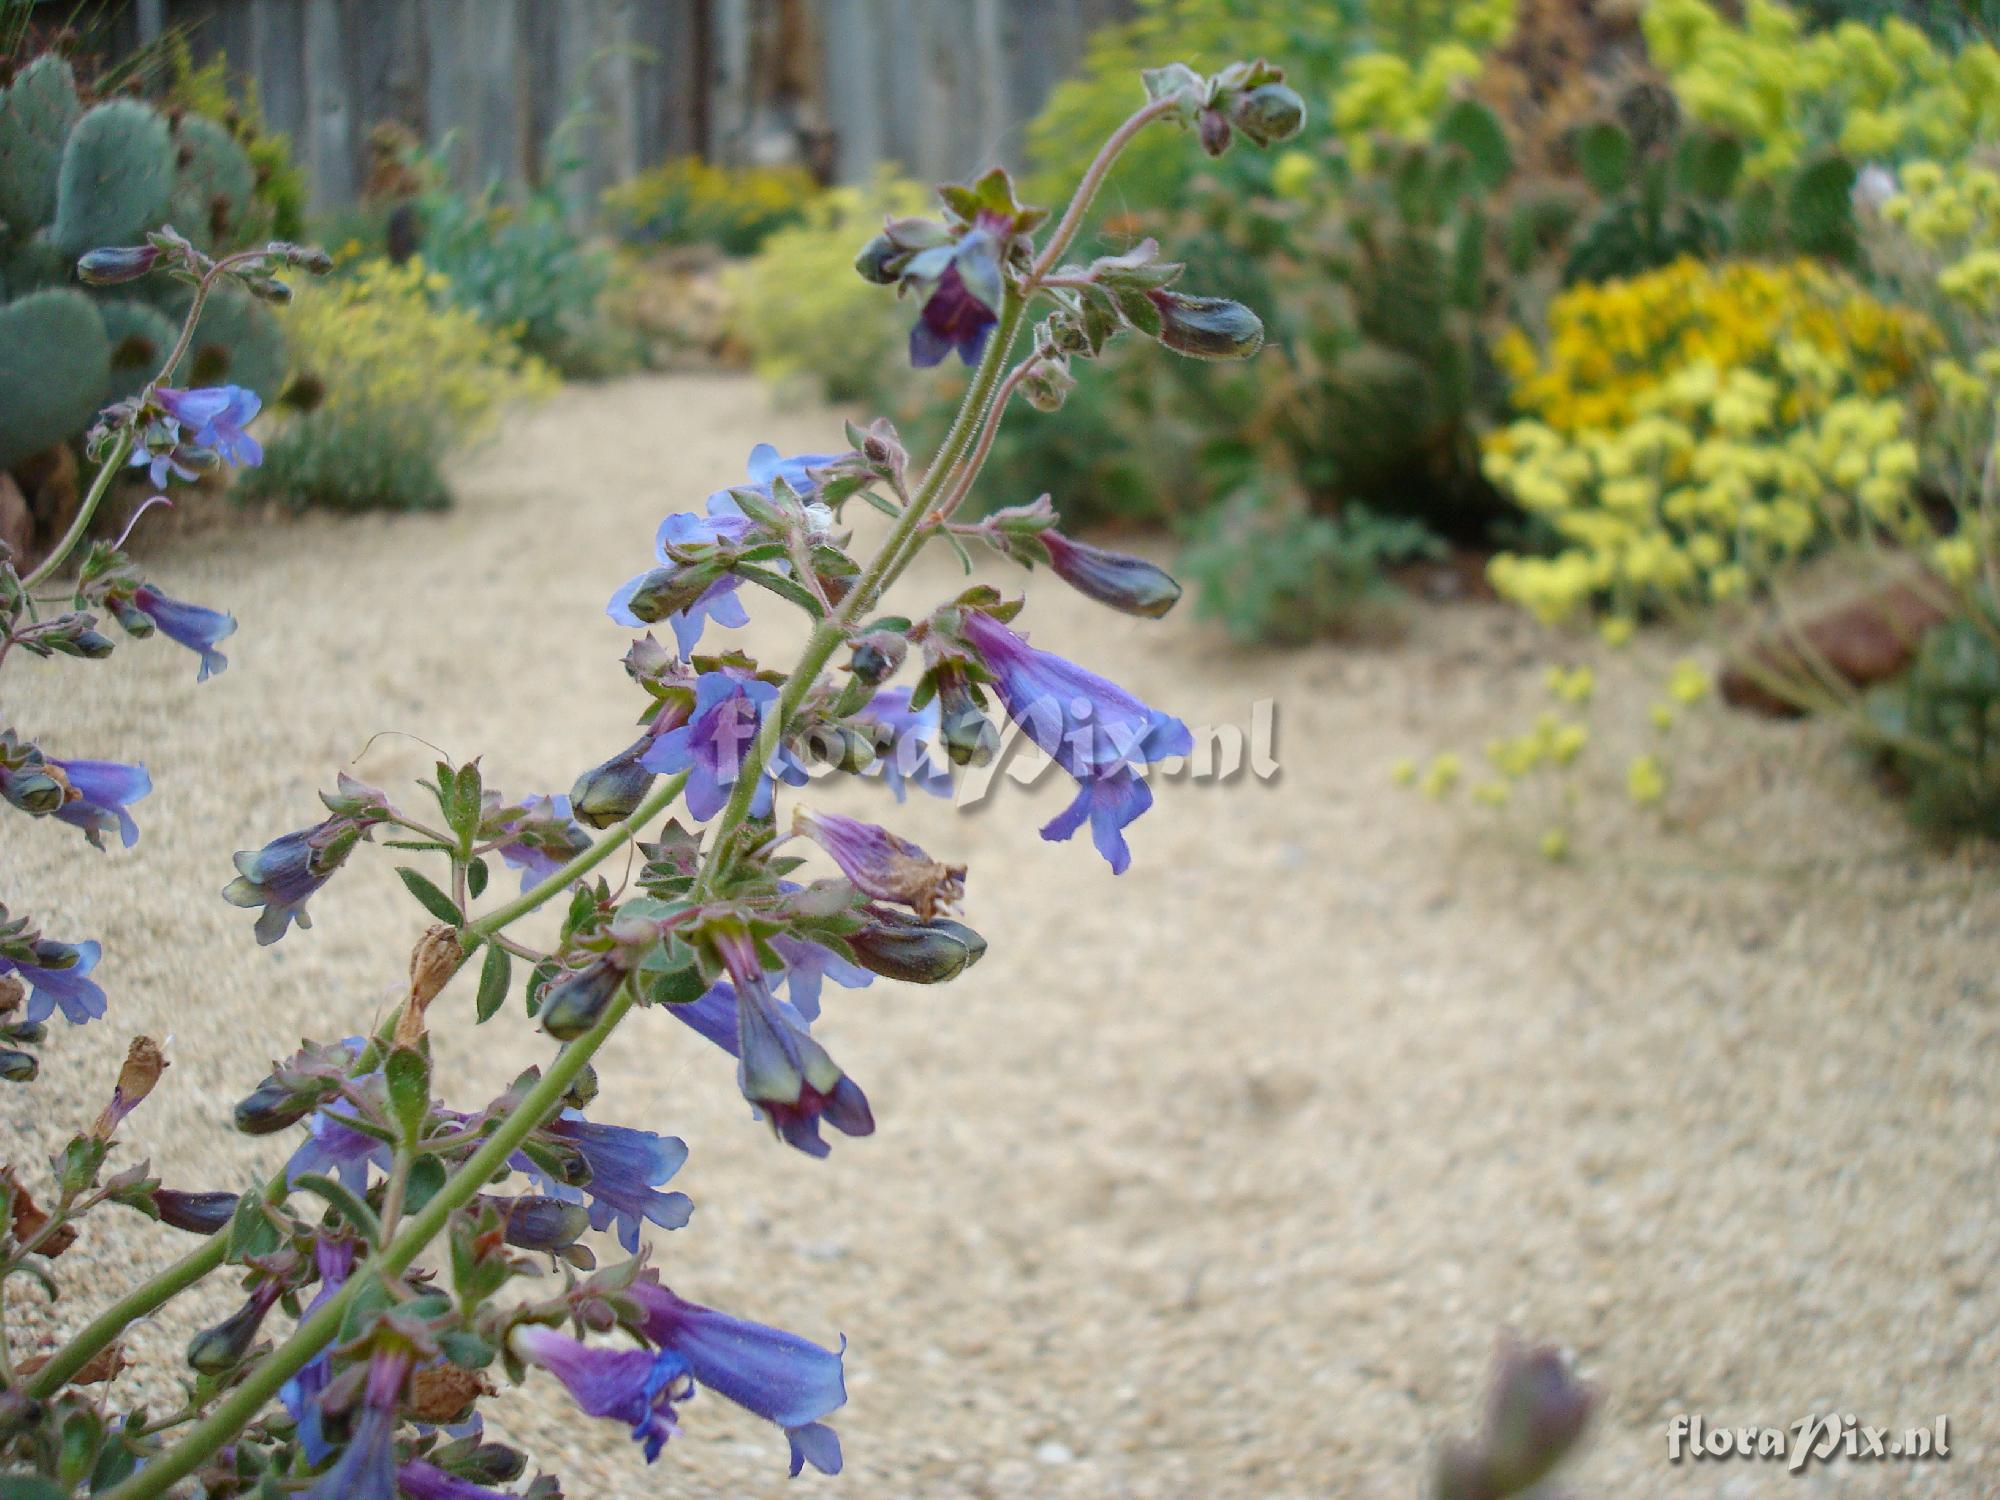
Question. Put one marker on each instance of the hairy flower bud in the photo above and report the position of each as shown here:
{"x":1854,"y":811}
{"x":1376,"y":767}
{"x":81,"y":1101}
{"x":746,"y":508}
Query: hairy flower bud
{"x":1126,"y":583}
{"x":573,"y":1002}
{"x":879,"y":261}
{"x":118,"y":263}
{"x":278,"y":1103}
{"x":608,"y":793}
{"x":916,"y":952}
{"x":668,"y":590}
{"x":1213,"y":128}
{"x":17,"y":1066}
{"x":34,"y":788}
{"x":1048,"y":384}
{"x":877,"y":655}
{"x":1269,"y":113}
{"x":534,"y":1222}
{"x":197,"y":1213}
{"x":968,"y":737}
{"x":217,"y":1350}
{"x":1207,"y":327}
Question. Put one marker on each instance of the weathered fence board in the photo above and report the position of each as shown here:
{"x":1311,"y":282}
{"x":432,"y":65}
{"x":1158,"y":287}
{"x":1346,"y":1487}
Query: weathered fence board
{"x":514,"y":88}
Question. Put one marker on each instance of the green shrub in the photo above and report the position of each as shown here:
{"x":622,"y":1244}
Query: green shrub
{"x":351,"y":460}
{"x":1271,"y":571}
{"x":1939,"y":728}
{"x":691,"y":202}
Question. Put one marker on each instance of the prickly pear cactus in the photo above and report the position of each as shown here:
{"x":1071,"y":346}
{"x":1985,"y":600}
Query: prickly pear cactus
{"x":34,"y":264}
{"x":54,"y":363}
{"x":140,"y":336}
{"x":36,"y":114}
{"x":214,"y":200}
{"x":237,"y":343}
{"x":117,"y":175}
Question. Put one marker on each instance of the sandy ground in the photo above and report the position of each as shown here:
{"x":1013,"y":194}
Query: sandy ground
{"x":1217,"y":1178}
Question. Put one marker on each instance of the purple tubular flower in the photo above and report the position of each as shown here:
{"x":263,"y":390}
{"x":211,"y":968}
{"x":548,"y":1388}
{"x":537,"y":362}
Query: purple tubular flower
{"x":546,"y":836}
{"x":627,"y":1167}
{"x":426,"y":1481}
{"x":1093,"y":729}
{"x":781,"y":1070}
{"x":907,"y":743}
{"x":99,"y":793}
{"x":808,"y":966}
{"x":635,"y":1386}
{"x":216,"y":417}
{"x":776,"y":1375}
{"x":57,"y":980}
{"x":884,"y":865}
{"x":712,"y":745}
{"x":334,"y":1147}
{"x":963,"y":307}
{"x":190,"y":625}
{"x":1124,"y":582}
{"x":712,"y":1016}
{"x":366,"y":1468}
{"x":197,"y":1213}
{"x":283,"y":875}
{"x":300,"y":1394}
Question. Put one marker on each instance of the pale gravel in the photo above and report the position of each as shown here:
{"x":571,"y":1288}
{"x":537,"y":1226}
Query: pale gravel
{"x":1217,"y":1178}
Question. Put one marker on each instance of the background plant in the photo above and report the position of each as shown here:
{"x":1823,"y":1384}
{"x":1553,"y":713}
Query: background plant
{"x":689,"y":201}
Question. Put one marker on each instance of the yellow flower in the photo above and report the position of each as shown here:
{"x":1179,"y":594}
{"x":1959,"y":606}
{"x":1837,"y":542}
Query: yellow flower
{"x":1646,"y":780}
{"x":1957,"y":557}
{"x":1574,"y":686}
{"x":1662,"y":715}
{"x":1294,"y":174}
{"x":1688,"y":683}
{"x":1555,"y":845}
{"x":1617,"y":630}
{"x":1492,"y":793}
{"x":1437,"y":782}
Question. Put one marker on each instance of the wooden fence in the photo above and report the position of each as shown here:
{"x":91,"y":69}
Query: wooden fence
{"x":940,"y":87}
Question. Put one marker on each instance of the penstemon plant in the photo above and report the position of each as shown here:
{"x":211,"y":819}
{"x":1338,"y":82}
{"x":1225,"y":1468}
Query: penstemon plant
{"x":397,"y":1236}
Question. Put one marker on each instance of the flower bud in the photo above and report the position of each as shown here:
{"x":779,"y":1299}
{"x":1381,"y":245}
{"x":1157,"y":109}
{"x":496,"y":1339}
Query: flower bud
{"x":197,"y":1213}
{"x":572,"y":1003}
{"x":268,"y":289}
{"x":582,"y":1089}
{"x":539,"y":1223}
{"x":492,"y":1463}
{"x":1048,"y":385}
{"x":34,"y":789}
{"x":877,"y":655}
{"x":967,"y":736}
{"x":608,"y":793}
{"x":309,"y":258}
{"x":879,"y":260}
{"x":17,"y":1066}
{"x":916,"y":952}
{"x":114,"y":264}
{"x":1214,"y":131}
{"x":1126,"y":583}
{"x":1269,"y":113}
{"x":668,"y":590}
{"x":217,"y":1350}
{"x":1207,"y":327}
{"x":276,"y":1104}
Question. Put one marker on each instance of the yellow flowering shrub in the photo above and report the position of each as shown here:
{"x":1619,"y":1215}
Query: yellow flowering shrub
{"x":1425,"y":52}
{"x":689,"y":201}
{"x":1687,"y":430}
{"x":1882,"y":92}
{"x":393,"y":375}
{"x":1952,"y":217}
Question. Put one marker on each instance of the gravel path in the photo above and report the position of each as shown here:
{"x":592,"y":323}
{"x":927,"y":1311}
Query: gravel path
{"x":1216,"y":1179}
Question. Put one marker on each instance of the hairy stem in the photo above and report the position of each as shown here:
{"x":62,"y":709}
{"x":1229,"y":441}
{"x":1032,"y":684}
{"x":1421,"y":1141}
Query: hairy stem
{"x":316,"y":1331}
{"x":198,"y":1263}
{"x":121,"y":449}
{"x":1093,"y":179}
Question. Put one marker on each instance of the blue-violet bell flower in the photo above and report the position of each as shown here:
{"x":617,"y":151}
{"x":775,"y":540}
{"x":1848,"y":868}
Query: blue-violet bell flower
{"x":300,"y":1394}
{"x":57,"y":978}
{"x":907,"y":743}
{"x":964,"y":303}
{"x":191,"y":625}
{"x":627,"y":1169}
{"x":784,"y":1073}
{"x":1093,"y":729}
{"x":202,"y":426}
{"x":283,"y":875}
{"x":543,"y":838}
{"x":635,"y":1386}
{"x":366,"y":1468}
{"x":99,"y":793}
{"x":712,"y":745}
{"x":779,"y":1376}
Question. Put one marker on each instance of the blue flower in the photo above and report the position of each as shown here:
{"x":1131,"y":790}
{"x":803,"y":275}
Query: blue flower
{"x":366,"y":1468}
{"x":189,"y":625}
{"x":808,"y":965}
{"x":634,"y":1386}
{"x":907,"y":743}
{"x":776,"y":1375}
{"x":963,"y":307}
{"x":283,"y":875}
{"x":300,"y":1394}
{"x":545,"y":837}
{"x":1093,"y":729}
{"x":626,"y":1169}
{"x":725,"y":523}
{"x":99,"y":793}
{"x":333,"y":1147}
{"x":419,"y":1480}
{"x":198,"y":429}
{"x":712,"y":745}
{"x":56,"y":979}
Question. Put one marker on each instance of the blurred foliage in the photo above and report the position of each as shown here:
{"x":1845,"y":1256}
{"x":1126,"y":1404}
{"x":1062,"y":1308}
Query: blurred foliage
{"x":690,"y":202}
{"x":392,"y":377}
{"x":281,"y":182}
{"x":1937,"y":730}
{"x":1270,"y":570}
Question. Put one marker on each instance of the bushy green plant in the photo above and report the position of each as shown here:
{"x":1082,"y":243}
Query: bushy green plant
{"x":1939,"y":728}
{"x":279,"y":181}
{"x":351,"y":460}
{"x":692,"y":202}
{"x":1272,"y":571}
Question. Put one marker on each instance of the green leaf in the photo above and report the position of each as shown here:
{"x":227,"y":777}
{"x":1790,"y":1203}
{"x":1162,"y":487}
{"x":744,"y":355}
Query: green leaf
{"x":679,"y":986}
{"x":475,"y":878}
{"x":495,"y":975}
{"x":344,"y":1201}
{"x":427,"y":1175}
{"x":784,"y":588}
{"x":1477,"y":131}
{"x":408,"y":1073}
{"x":467,"y":1350}
{"x":251,"y":1231}
{"x":1604,"y":152}
{"x":434,"y":901}
{"x":1708,"y":164}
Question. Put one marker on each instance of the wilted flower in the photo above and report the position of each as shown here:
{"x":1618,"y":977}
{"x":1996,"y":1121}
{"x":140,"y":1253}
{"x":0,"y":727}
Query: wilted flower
{"x":190,"y":625}
{"x":627,"y":1167}
{"x":99,"y":791}
{"x":711,"y":746}
{"x":283,"y":875}
{"x":774,"y":1374}
{"x":634,"y":1386}
{"x":882,"y":864}
{"x":1093,"y":729}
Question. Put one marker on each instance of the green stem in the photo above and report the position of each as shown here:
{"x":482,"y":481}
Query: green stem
{"x":121,"y":448}
{"x":240,"y":1407}
{"x":107,"y":1325}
